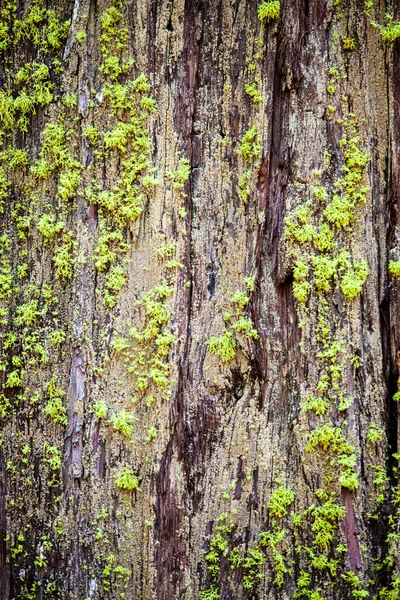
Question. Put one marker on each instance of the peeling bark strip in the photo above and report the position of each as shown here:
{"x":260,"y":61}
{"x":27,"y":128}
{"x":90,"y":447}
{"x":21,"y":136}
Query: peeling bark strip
{"x":199,"y":299}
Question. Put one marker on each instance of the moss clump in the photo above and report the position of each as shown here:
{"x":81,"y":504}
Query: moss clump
{"x":237,"y":324}
{"x":252,"y":565}
{"x":125,"y":139}
{"x":375,"y":433}
{"x":100,"y":409}
{"x":167,"y":250}
{"x":240,"y":298}
{"x":244,"y":185}
{"x":253,"y":91}
{"x":349,"y":43}
{"x":326,"y":518}
{"x":123,"y":423}
{"x":301,"y":270}
{"x":324,"y":238}
{"x":355,"y":584}
{"x":223,"y":346}
{"x":80,"y":36}
{"x":145,"y":351}
{"x":6,"y":278}
{"x":391,"y":31}
{"x":250,"y":147}
{"x":49,"y":227}
{"x":151,"y":434}
{"x":279,"y":501}
{"x":210,"y":594}
{"x":109,"y":245}
{"x":394,"y":268}
{"x":127,"y":480}
{"x":42,"y":27}
{"x":114,"y":281}
{"x":52,"y":456}
{"x":34,"y":90}
{"x":324,"y":268}
{"x":301,"y":285}
{"x":63,"y":257}
{"x":58,"y":336}
{"x":7,"y":15}
{"x":27,"y":314}
{"x":4,"y":406}
{"x":269,"y":10}
{"x":14,"y":379}
{"x":298,"y":229}
{"x":354,"y":279}
{"x":4,"y":184}
{"x":179,"y":177}
{"x":245,"y":326}
{"x":273,"y":548}
{"x":319,"y":405}
{"x":277,"y":548}
{"x":218,"y":545}
{"x":341,"y":210}
{"x":340,"y":213}
{"x":114,"y":33}
{"x":327,"y":438}
{"x":54,"y":407}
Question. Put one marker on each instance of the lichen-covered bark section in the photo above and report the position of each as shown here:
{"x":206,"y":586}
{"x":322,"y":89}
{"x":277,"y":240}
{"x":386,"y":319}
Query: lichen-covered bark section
{"x":199,"y":281}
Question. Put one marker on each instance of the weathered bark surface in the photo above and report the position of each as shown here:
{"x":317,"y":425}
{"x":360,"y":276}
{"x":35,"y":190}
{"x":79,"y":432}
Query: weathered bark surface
{"x":211,"y":445}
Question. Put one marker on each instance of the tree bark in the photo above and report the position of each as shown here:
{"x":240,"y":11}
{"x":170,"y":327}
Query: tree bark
{"x":200,"y":342}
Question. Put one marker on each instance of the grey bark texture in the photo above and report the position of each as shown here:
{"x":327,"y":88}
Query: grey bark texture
{"x":230,"y":496}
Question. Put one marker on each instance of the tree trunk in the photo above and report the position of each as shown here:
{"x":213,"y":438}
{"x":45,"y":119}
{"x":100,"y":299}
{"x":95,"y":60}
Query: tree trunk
{"x":199,"y":287}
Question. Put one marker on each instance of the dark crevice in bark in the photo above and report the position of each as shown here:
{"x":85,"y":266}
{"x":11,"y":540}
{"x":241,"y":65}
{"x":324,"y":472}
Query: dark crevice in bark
{"x":169,"y":548}
{"x":274,"y":176}
{"x":4,"y":566}
{"x":388,"y":306}
{"x":170,"y":551}
{"x":390,"y":329}
{"x":266,"y":174}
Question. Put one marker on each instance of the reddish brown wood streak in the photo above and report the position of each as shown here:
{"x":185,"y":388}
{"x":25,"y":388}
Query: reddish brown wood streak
{"x":350,"y":530}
